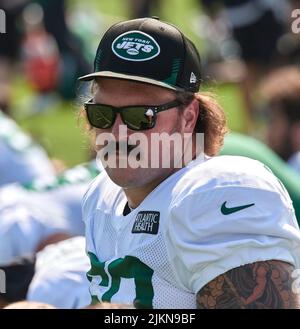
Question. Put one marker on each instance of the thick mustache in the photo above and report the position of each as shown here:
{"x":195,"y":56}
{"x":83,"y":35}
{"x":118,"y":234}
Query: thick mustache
{"x":121,"y":146}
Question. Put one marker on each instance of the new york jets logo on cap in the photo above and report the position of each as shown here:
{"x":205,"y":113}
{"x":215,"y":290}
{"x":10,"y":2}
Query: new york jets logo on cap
{"x":135,"y":46}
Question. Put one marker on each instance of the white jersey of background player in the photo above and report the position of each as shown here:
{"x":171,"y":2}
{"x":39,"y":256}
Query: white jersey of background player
{"x":60,"y":275}
{"x":199,"y":223}
{"x":32,"y":213}
{"x":21,"y":160}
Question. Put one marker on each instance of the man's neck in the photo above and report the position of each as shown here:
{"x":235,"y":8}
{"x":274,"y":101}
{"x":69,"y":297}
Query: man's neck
{"x":136,"y":195}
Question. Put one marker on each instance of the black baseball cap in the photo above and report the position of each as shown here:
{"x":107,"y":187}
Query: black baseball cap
{"x":150,"y":51}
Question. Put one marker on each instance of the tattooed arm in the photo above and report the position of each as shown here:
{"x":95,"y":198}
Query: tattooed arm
{"x":265,"y":284}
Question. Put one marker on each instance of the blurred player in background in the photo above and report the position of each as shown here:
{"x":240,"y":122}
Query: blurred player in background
{"x":60,"y":275}
{"x":281,"y":93}
{"x":9,"y":47}
{"x":256,"y":25}
{"x":38,"y":36}
{"x":55,"y":276}
{"x":248,"y":39}
{"x":219,"y":232}
{"x":143,"y":8}
{"x":21,"y":160}
{"x":37,"y":213}
{"x":34,"y":216}
{"x":24,"y":230}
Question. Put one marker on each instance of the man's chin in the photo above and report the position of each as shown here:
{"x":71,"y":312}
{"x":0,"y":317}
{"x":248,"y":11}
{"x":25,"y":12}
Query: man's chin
{"x":138,"y":177}
{"x":126,"y":178}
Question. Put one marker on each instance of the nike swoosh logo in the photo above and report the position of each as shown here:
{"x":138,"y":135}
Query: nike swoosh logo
{"x":227,"y":211}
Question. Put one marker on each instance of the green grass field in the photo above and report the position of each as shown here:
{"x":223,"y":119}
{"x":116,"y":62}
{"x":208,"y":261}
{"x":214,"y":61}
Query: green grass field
{"x":57,"y":128}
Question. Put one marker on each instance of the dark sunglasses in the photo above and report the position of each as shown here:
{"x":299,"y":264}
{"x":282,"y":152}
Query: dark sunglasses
{"x":136,"y":117}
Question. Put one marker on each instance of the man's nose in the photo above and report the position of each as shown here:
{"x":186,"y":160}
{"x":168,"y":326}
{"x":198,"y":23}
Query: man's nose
{"x":118,"y":127}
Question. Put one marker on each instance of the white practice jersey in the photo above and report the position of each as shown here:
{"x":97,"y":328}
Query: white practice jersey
{"x":60,"y":275}
{"x":23,"y":228}
{"x":29,"y":214}
{"x":21,"y":160}
{"x":199,"y":223}
{"x":58,"y":196}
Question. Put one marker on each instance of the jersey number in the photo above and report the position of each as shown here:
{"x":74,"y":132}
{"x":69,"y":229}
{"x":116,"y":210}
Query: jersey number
{"x":111,"y":275}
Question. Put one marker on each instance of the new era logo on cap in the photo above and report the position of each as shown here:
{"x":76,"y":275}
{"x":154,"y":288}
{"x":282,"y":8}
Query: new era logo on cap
{"x":193,"y":78}
{"x":149,"y":51}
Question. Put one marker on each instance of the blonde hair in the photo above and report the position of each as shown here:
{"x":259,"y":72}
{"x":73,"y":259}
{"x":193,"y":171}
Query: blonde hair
{"x":211,"y":120}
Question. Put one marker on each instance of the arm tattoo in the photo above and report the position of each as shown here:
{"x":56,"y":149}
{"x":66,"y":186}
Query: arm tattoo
{"x":265,"y":284}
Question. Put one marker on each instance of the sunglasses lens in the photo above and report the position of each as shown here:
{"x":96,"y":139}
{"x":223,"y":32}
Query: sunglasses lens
{"x":137,"y":118}
{"x":100,"y":116}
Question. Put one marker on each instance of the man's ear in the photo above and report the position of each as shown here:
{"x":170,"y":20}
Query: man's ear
{"x":190,"y":116}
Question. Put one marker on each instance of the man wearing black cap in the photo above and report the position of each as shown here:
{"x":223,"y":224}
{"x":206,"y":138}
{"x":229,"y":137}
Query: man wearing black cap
{"x":213,"y":232}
